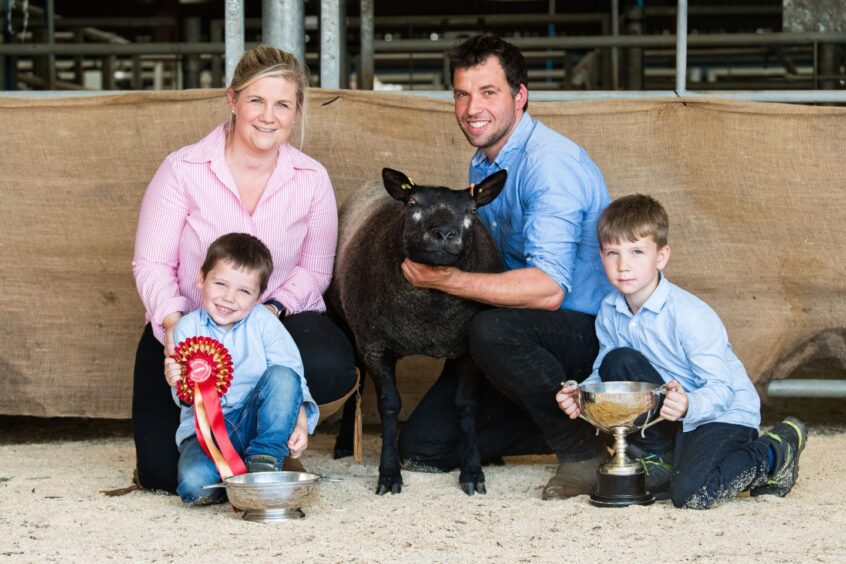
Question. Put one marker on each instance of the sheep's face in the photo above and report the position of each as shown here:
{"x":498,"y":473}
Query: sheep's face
{"x":439,"y":221}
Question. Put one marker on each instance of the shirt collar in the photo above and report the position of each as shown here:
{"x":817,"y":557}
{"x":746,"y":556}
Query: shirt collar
{"x":207,"y":320}
{"x":211,"y":149}
{"x":654,"y":303}
{"x":512,"y":148}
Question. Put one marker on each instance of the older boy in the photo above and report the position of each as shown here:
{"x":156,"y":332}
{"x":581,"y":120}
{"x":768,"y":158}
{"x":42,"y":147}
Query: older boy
{"x":268,"y":408}
{"x":651,"y":330}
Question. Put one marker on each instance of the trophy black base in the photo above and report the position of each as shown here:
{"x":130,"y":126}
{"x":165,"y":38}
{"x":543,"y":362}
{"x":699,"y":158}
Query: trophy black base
{"x":620,"y":490}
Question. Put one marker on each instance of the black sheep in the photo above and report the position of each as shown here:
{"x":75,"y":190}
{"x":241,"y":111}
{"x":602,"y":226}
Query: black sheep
{"x":388,"y":317}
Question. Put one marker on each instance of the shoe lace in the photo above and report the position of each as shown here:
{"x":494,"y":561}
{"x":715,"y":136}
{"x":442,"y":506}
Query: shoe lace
{"x":778,"y":474}
{"x":651,"y":462}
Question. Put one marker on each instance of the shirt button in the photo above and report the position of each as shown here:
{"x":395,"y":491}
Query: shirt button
{"x":493,"y":224}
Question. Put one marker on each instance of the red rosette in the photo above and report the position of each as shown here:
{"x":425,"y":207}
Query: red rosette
{"x":206,"y":375}
{"x":202,"y":358}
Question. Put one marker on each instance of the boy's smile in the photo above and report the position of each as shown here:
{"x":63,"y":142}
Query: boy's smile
{"x":633,"y":268}
{"x":229,"y":293}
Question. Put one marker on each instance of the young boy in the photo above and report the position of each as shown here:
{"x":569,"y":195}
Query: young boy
{"x":268,"y":408}
{"x":651,"y":330}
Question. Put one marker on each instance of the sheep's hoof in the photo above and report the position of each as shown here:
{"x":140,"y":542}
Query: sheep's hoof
{"x":343,"y":447}
{"x":470,"y":488}
{"x":473,"y":483}
{"x":386,"y":484}
{"x":342,"y":453}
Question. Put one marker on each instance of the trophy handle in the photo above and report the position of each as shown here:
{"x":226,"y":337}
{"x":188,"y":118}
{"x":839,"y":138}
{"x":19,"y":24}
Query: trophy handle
{"x":650,"y":424}
{"x":659,"y":391}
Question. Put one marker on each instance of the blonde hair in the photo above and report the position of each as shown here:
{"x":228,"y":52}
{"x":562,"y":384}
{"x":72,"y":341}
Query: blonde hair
{"x":632,"y":217}
{"x":263,"y":61}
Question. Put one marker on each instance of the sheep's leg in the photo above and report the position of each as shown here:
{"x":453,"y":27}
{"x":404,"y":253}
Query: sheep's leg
{"x":382,"y":369}
{"x":471,"y":478}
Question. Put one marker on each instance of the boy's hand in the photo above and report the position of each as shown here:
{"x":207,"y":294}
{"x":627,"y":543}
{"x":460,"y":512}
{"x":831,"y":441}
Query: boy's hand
{"x":173,"y":372}
{"x":675,"y":403}
{"x":298,"y":441}
{"x":567,"y":399}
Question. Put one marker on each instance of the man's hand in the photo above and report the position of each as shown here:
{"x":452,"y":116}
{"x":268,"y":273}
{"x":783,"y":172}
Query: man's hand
{"x":568,"y":399}
{"x":298,"y":441}
{"x":675,"y":403}
{"x":526,"y":288}
{"x":426,"y":276}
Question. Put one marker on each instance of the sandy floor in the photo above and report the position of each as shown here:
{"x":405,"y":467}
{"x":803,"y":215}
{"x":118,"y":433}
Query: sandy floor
{"x":52,"y":509}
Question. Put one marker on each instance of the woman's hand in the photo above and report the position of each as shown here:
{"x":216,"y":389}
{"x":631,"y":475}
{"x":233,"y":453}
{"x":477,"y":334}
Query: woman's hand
{"x":172,"y":370}
{"x":675,"y":403}
{"x":169,"y":322}
{"x":298,"y":441}
{"x":567,"y":399}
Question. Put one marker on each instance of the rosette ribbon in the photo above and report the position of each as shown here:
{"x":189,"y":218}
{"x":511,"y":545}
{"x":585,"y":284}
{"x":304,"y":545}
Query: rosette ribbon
{"x":206,"y":375}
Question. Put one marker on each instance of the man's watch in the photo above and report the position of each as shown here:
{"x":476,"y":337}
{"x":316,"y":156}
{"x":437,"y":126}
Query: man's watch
{"x":280,"y":307}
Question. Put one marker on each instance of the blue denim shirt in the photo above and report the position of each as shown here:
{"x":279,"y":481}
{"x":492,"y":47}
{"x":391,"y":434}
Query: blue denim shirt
{"x":546,"y":215}
{"x":255,"y":343}
{"x":684,"y":340}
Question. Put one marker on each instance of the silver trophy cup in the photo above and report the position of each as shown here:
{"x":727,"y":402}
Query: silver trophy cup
{"x":620,"y":408}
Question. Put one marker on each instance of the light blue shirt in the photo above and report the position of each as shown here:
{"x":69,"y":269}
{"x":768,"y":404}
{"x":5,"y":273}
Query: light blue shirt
{"x":255,"y":343}
{"x":546,"y":215}
{"x":684,"y":340}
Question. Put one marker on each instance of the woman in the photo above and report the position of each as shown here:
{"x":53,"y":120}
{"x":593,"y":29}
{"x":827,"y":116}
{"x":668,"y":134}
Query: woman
{"x":242,"y":177}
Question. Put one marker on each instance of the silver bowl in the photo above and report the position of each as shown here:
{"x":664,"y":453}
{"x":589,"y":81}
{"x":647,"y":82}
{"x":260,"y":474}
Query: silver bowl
{"x":627,"y":405}
{"x":269,"y":497}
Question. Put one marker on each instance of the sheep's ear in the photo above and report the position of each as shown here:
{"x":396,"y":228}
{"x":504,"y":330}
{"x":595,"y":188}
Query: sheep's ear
{"x":397,"y":184}
{"x":485,"y":191}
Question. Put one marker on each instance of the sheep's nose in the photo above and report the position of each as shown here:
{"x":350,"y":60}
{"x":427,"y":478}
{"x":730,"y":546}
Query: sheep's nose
{"x":443,"y":233}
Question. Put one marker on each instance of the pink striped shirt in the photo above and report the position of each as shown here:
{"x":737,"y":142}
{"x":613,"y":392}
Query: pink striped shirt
{"x":193,"y":199}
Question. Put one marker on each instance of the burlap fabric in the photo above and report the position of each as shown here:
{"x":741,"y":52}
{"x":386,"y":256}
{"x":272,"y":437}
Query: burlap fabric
{"x":755,"y":193}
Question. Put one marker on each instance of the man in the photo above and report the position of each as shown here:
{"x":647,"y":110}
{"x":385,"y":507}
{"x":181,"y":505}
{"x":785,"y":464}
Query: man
{"x":540,"y":331}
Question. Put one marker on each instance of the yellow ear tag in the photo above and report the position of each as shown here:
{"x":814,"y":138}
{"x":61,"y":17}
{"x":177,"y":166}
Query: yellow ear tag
{"x":405,"y":187}
{"x":472,"y":188}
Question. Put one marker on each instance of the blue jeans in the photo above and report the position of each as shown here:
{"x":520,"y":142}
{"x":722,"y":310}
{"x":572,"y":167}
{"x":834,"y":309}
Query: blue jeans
{"x":712,"y":463}
{"x":262,"y":424}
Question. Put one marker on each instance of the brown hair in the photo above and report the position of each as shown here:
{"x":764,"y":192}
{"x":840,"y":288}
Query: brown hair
{"x":632,"y":217}
{"x":476,"y":50}
{"x":264,"y":60}
{"x":243,"y":251}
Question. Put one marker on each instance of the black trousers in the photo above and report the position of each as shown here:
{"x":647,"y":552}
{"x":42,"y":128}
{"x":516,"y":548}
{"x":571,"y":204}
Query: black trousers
{"x":523,"y":356}
{"x":329,"y":370}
